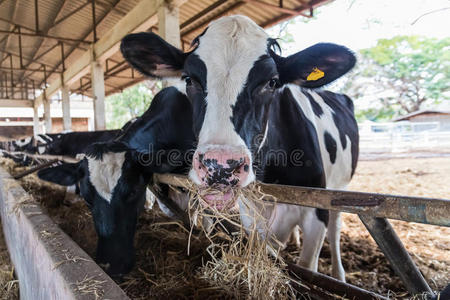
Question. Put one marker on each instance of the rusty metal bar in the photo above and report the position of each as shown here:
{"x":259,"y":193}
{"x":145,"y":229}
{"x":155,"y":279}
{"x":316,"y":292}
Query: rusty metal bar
{"x":11,"y":74}
{"x":34,"y":90}
{"x":20,"y":48}
{"x":36,"y":60}
{"x":35,"y":169}
{"x":94,"y":23}
{"x":62,"y":56}
{"x":1,"y":87}
{"x":45,"y":77}
{"x":6,"y":83}
{"x":203,"y":13}
{"x":412,"y":209}
{"x":24,"y":69}
{"x":388,"y":241}
{"x":36,"y":16}
{"x":207,"y":21}
{"x":331,"y":284}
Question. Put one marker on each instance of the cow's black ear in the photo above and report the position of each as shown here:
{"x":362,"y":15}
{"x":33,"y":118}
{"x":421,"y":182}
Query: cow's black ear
{"x":315,"y":66}
{"x":151,"y":55}
{"x":65,"y":174}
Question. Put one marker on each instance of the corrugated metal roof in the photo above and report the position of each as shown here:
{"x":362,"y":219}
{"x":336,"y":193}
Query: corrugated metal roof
{"x":68,"y":27}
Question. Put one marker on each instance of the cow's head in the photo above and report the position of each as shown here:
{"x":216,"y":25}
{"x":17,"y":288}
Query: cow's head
{"x":114,"y":187}
{"x":22,"y":145}
{"x":49,"y":143}
{"x":232,"y":77}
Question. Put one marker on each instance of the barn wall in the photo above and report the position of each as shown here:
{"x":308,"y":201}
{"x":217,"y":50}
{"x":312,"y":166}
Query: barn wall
{"x":15,"y":132}
{"x":443,"y":119}
{"x":78,"y":124}
{"x":18,"y":132}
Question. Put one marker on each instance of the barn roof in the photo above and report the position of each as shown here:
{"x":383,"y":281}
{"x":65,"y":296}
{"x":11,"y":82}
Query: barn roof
{"x":421,"y":112}
{"x":36,"y":35}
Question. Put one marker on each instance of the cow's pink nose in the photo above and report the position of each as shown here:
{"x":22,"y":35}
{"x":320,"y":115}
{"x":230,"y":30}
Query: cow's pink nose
{"x":221,"y":167}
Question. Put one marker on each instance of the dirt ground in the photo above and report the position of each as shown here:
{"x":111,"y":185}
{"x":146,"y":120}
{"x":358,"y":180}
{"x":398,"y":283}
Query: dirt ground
{"x":164,"y":270}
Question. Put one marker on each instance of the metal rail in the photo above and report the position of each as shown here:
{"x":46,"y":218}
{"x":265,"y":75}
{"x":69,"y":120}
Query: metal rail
{"x":412,"y":209}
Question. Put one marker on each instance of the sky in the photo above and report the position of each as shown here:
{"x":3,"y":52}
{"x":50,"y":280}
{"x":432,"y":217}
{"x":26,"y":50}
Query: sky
{"x":358,"y":24}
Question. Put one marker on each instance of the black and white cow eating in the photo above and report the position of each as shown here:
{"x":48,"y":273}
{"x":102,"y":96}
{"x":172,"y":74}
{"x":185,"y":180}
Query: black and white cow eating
{"x":113,"y":176}
{"x":256,"y":117}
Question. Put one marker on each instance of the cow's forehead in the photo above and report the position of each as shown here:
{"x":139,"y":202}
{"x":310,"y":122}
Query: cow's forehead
{"x":230,"y":46}
{"x":104,"y":173}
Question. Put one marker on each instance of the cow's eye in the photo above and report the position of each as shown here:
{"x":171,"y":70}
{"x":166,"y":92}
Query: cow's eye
{"x":273,"y":83}
{"x":188,"y":80}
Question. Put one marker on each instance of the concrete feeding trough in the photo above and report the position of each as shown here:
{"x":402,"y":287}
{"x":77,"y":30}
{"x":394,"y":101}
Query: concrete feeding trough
{"x":48,"y":263}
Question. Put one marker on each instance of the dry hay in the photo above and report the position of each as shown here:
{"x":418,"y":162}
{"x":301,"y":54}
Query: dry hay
{"x":247,"y":266}
{"x":9,"y":285}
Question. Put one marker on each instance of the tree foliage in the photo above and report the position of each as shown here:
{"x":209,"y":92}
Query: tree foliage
{"x":129,"y":104}
{"x":403,"y":73}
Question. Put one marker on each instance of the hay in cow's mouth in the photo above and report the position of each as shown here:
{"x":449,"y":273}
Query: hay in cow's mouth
{"x":240,"y":262}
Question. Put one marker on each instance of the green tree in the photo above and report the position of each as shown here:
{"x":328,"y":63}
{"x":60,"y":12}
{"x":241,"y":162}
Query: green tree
{"x":404,"y":73}
{"x":129,"y":104}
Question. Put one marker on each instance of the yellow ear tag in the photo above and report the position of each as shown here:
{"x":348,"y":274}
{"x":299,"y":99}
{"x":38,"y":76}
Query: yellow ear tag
{"x":315,"y":74}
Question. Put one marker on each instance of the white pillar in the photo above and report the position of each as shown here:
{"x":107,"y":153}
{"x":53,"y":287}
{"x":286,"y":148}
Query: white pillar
{"x":169,"y":24}
{"x":36,"y":126}
{"x":98,"y":94}
{"x":65,"y":96}
{"x":47,"y":116}
{"x":169,"y":28}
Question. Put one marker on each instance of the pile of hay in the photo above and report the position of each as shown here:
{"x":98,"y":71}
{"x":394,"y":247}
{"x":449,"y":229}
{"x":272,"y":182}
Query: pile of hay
{"x":246,"y":265}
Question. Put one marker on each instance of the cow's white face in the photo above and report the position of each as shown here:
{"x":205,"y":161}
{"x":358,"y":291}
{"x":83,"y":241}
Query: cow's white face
{"x":228,"y":62}
{"x":232,"y":77}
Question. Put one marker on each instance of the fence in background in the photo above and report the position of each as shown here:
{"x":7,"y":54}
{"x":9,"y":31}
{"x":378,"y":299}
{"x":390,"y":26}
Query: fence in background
{"x":403,"y":137}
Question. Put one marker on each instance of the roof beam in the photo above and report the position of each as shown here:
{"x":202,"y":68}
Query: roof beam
{"x":85,"y":35}
{"x":24,"y":69}
{"x":12,"y":27}
{"x":16,"y":103}
{"x":208,"y":20}
{"x":43,"y":35}
{"x":141,"y":17}
{"x":292,"y":12}
{"x":69,"y":14}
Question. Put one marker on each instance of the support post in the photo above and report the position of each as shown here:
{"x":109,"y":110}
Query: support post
{"x":47,"y":115}
{"x":67,"y":121}
{"x":98,"y":94}
{"x":388,"y":241}
{"x":169,"y":25}
{"x":36,"y":126}
{"x":169,"y":28}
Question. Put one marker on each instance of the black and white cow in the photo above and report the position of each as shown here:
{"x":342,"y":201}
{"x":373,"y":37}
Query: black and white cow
{"x":67,"y":144}
{"x":22,"y":145}
{"x":72,"y":143}
{"x":114,"y":176}
{"x":256,"y":117}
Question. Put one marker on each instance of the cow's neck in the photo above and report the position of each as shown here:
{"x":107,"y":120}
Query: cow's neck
{"x":291,"y":133}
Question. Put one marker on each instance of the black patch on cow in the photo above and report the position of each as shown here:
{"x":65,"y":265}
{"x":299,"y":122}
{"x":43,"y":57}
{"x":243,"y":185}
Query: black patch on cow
{"x":317,"y":109}
{"x":343,"y":117}
{"x":73,"y":143}
{"x":196,"y":41}
{"x":291,"y":132}
{"x":251,"y":110}
{"x":330,"y":144}
{"x":196,"y":69}
{"x":323,"y":215}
